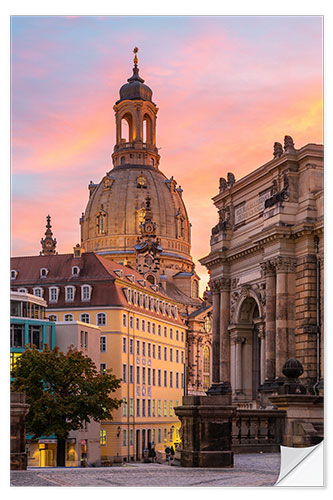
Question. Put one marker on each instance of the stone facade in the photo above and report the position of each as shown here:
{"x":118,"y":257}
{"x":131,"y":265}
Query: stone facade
{"x":266,"y":265}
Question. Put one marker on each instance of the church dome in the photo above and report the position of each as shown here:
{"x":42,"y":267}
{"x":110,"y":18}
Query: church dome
{"x":135,"y":88}
{"x":111,"y":223}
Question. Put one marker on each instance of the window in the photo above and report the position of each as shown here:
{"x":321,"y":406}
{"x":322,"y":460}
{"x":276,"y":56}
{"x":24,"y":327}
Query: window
{"x":138,"y":374}
{"x":85,"y":292}
{"x":159,"y":378}
{"x":153,"y":411}
{"x":124,"y":373}
{"x":165,"y":354}
{"x":124,"y":437}
{"x":148,"y":408}
{"x":206,"y":360}
{"x":69,"y":293}
{"x":53,"y":294}
{"x":38,"y":292}
{"x":124,"y":407}
{"x":13,"y":274}
{"x":131,"y":407}
{"x":131,"y":348}
{"x":16,"y":335}
{"x":165,"y":378}
{"x":154,"y":328}
{"x":177,"y":380}
{"x":102,"y":438}
{"x":143,"y":348}
{"x":177,"y":335}
{"x":171,"y":333}
{"x":171,"y":410}
{"x":43,"y":272}
{"x":149,"y":349}
{"x":101,"y":319}
{"x":103,"y":368}
{"x":159,"y":408}
{"x":137,"y":324}
{"x":124,"y":344}
{"x":138,"y":347}
{"x":159,"y":330}
{"x":165,"y":435}
{"x":205,"y":382}
{"x":154,"y":379}
{"x":182,"y":380}
{"x":165,"y":331}
{"x":131,"y":374}
{"x":22,"y":290}
{"x":171,"y":379}
{"x":138,"y":407}
{"x":68,"y":317}
{"x":143,"y":407}
{"x":182,"y":336}
{"x":131,"y":322}
{"x":153,"y":436}
{"x":165,"y":408}
{"x":195,"y":289}
{"x":171,"y":354}
{"x":143,"y":375}
{"x":85,"y":318}
{"x":148,"y":326}
{"x":159,"y":435}
{"x":124,"y":320}
{"x":143,"y":325}
{"x":83,"y":339}
{"x":159,"y":352}
{"x":149,"y":376}
{"x":35,"y":336}
{"x":131,"y":437}
{"x":103,"y":343}
{"x":182,"y":355}
{"x":177,"y":356}
{"x":75,"y":270}
{"x":154,"y":351}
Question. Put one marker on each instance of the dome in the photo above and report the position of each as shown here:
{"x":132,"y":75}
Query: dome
{"x":135,"y":88}
{"x":111,"y":223}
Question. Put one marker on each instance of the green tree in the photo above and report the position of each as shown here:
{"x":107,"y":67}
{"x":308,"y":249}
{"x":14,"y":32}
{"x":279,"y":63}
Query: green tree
{"x":63,"y":391}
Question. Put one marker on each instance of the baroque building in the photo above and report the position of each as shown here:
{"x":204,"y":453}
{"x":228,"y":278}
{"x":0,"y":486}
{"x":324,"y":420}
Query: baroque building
{"x":266,"y":266}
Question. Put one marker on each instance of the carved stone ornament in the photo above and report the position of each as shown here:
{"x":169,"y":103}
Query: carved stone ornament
{"x":234,"y":282}
{"x":231,"y":179}
{"x":285,"y":264}
{"x":214,"y":286}
{"x":268,"y":267}
{"x":244,"y":292}
{"x":219,"y":284}
{"x":223,"y":184}
{"x":278,"y":150}
{"x":288,"y":143}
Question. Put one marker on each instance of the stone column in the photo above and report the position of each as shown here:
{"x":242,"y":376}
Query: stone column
{"x":224,"y":332}
{"x":284,"y":310}
{"x":261,"y":335}
{"x":268,"y":268}
{"x":216,"y":332}
{"x":238,"y":361}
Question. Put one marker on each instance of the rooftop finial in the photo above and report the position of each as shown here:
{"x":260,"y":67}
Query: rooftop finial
{"x":135,"y":51}
{"x":48,"y":243}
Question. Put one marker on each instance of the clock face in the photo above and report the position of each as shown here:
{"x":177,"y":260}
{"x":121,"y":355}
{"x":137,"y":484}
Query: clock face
{"x":141,"y":180}
{"x":48,"y":243}
{"x":107,"y":182}
{"x":149,"y":228}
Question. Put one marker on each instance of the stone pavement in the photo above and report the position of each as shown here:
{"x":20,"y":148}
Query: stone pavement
{"x":253,"y":469}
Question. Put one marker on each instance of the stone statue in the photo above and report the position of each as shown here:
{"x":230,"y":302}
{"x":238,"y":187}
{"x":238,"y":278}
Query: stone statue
{"x":278,"y":150}
{"x":223,"y":184}
{"x":288,"y":143}
{"x":231,"y":179}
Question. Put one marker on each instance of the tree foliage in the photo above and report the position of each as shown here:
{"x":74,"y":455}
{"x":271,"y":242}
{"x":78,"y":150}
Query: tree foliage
{"x":63,"y":390}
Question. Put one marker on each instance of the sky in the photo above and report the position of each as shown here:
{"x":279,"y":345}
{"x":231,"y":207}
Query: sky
{"x":227,"y":88}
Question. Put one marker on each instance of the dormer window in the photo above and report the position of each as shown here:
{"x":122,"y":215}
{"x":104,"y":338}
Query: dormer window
{"x":38,"y":292}
{"x":69,"y":293}
{"x":13,"y":274}
{"x":119,"y":273}
{"x":85,"y":293}
{"x":23,"y":290}
{"x":75,"y":271}
{"x":43,"y":272}
{"x":130,"y":277}
{"x":53,"y":294}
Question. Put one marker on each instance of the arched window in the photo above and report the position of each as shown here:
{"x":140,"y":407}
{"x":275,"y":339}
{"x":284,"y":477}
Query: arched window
{"x":151,"y":279}
{"x":206,"y":368}
{"x":85,"y":318}
{"x":13,"y":274}
{"x":195,"y":289}
{"x":101,"y":319}
{"x":101,"y":222}
{"x":126,"y":128}
{"x":124,"y":320}
{"x":85,"y":292}
{"x":38,"y":292}
{"x":122,"y":160}
{"x":147,"y":135}
{"x":68,"y":317}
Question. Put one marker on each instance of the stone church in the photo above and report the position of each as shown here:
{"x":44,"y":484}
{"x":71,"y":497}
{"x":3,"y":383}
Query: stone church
{"x":136,"y":216}
{"x":266,"y":266}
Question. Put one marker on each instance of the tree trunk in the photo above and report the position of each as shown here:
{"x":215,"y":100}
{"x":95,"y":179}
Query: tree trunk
{"x":61,"y":451}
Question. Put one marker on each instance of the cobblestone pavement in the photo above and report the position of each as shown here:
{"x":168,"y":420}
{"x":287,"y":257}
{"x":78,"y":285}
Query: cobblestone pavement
{"x":249,"y":470}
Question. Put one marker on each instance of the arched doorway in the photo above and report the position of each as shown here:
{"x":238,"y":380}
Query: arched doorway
{"x":247,"y":349}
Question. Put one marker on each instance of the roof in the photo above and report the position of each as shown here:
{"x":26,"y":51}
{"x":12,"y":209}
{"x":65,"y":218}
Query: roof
{"x":202,"y":309}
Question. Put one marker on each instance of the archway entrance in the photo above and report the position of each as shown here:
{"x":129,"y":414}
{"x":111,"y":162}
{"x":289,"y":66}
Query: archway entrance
{"x":247,"y":351}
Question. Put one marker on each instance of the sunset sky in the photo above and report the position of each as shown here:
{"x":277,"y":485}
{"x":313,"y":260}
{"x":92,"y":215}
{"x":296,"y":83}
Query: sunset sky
{"x":227,"y":88}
